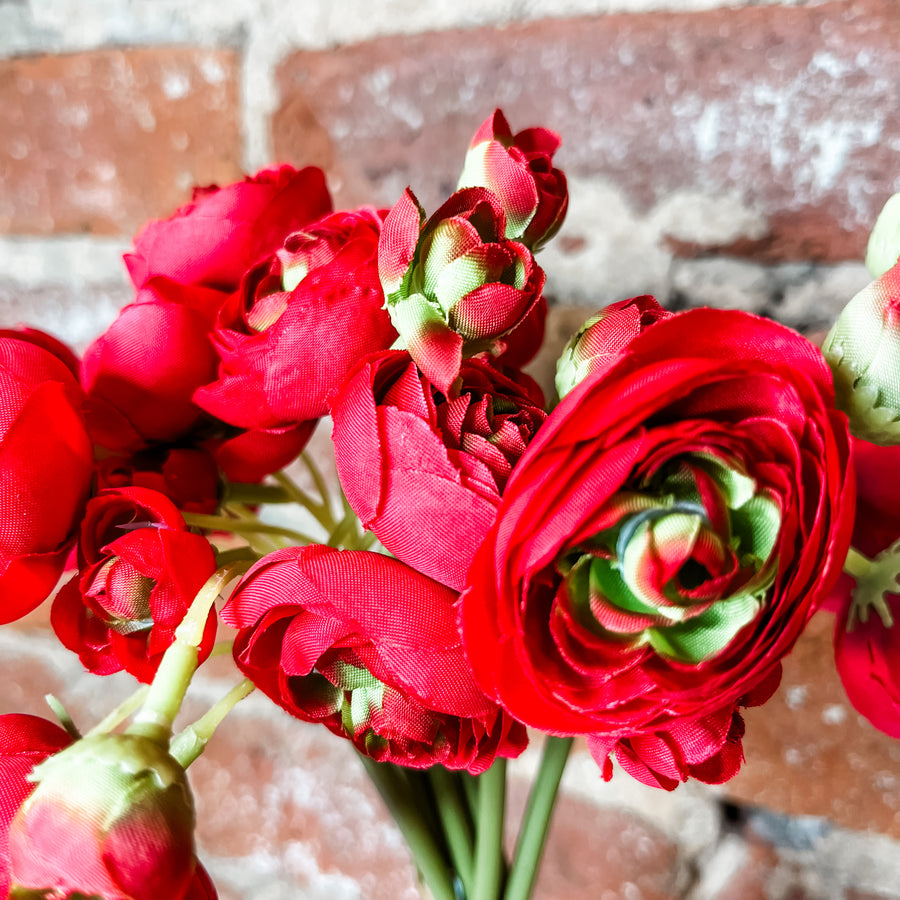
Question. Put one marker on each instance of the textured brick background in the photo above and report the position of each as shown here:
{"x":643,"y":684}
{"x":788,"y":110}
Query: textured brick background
{"x":719,"y":153}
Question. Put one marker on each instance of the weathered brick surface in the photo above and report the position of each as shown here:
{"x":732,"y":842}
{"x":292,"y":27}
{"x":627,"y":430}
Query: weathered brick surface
{"x":593,"y":852}
{"x":794,"y":108}
{"x":98,"y":142}
{"x":809,"y":753}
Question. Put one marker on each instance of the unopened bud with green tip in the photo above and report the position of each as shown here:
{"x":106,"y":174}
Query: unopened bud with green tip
{"x":883,"y":250}
{"x":863,"y":351}
{"x":112,"y":816}
{"x":603,"y":338}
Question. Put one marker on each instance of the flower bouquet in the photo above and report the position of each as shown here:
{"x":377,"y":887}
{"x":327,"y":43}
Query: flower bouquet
{"x":628,"y":563}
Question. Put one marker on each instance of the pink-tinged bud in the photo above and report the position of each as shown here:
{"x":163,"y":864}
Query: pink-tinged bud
{"x":883,"y":250}
{"x":519,"y":170}
{"x":454,"y":284}
{"x":112,"y":816}
{"x":863,"y":350}
{"x":603,"y":338}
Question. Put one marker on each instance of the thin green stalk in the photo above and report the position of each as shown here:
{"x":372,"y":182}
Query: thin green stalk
{"x":244,"y":526}
{"x":222,"y":648}
{"x":121,"y":712}
{"x":321,"y":512}
{"x":176,"y":669}
{"x":62,"y":714}
{"x":535,"y":824}
{"x":454,"y":816}
{"x":489,"y":832}
{"x":188,"y":744}
{"x":238,"y":492}
{"x":345,"y":534}
{"x":427,"y":854}
{"x":223,"y":557}
{"x":470,"y":789}
{"x":316,"y":474}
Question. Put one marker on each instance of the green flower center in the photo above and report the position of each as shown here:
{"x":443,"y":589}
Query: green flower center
{"x":686,"y":564}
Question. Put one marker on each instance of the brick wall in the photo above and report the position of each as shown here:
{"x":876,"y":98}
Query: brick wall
{"x":719,"y":153}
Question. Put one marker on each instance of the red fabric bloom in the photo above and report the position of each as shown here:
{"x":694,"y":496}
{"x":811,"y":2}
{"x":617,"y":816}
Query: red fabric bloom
{"x":111,"y":816}
{"x":454,"y":284}
{"x":867,"y":653}
{"x":521,"y":345}
{"x":141,"y":374}
{"x":369,"y":648}
{"x":423,"y":472}
{"x":25,"y":741}
{"x":222,"y":232}
{"x":46,"y":460}
{"x":663,"y":541}
{"x":139,"y":568}
{"x":298,"y":324}
{"x":603,"y":338}
{"x":519,"y":169}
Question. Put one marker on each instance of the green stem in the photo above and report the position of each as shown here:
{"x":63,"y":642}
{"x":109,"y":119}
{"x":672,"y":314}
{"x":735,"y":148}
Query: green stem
{"x":154,"y":719}
{"x":345,"y":534}
{"x":535,"y":824}
{"x":427,"y":855}
{"x":121,"y":712}
{"x":222,"y":648}
{"x":856,"y":565}
{"x":187,"y":745}
{"x":320,"y":511}
{"x":451,"y":807}
{"x":470,"y":789}
{"x":223,"y":557}
{"x":489,"y":832}
{"x":243,"y":526}
{"x":238,"y":492}
{"x":62,"y":714}
{"x":316,"y":474}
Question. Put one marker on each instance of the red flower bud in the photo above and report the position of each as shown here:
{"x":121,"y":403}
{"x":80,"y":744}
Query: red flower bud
{"x":519,"y":170}
{"x":139,"y":569}
{"x":112,"y":815}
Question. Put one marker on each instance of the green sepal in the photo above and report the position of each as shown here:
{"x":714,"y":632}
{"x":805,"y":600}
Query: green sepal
{"x":869,"y":418}
{"x":883,"y":249}
{"x":873,"y":582}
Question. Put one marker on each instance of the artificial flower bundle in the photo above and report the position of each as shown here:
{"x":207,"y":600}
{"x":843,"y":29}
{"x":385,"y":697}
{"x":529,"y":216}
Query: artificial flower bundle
{"x":629,"y":565}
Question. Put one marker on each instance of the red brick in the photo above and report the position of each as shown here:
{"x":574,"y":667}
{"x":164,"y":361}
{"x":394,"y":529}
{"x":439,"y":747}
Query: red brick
{"x":98,"y":142}
{"x":794,"y":107}
{"x":809,"y":753}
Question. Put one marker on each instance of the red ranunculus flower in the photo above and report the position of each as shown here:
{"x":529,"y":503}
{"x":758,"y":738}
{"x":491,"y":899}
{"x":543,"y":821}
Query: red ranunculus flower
{"x":519,"y":170}
{"x":46,"y":460}
{"x":110,"y":816}
{"x":25,"y":741}
{"x":662,"y":542}
{"x":867,"y":630}
{"x":139,"y":568}
{"x":603,"y":338}
{"x":423,"y":472}
{"x":455,"y":285}
{"x":369,"y":648}
{"x":298,"y":324}
{"x":222,"y":232}
{"x":141,"y":373}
